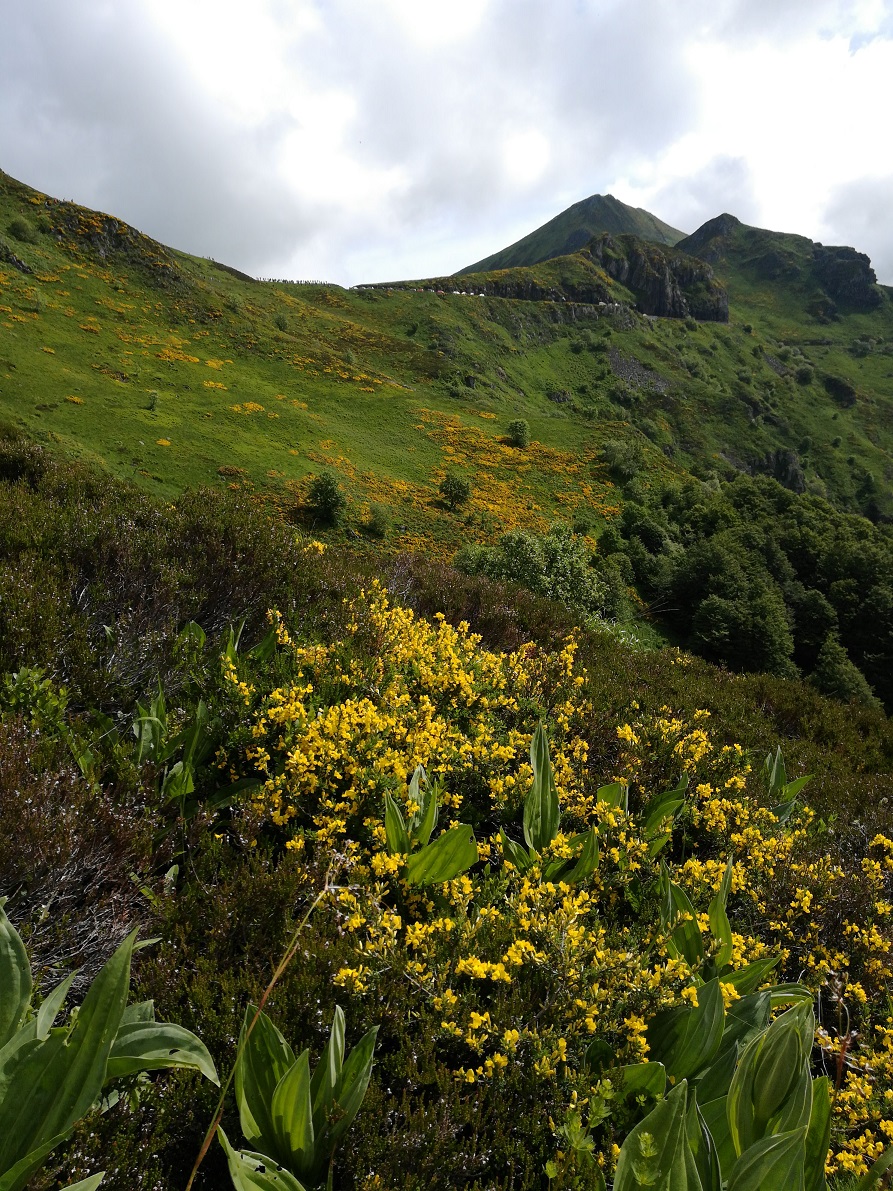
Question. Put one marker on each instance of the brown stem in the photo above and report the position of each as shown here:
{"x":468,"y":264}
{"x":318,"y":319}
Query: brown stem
{"x":288,"y":956}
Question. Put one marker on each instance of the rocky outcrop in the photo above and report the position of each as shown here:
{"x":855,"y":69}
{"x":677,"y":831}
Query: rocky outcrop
{"x":666,"y":282}
{"x":846,"y":276}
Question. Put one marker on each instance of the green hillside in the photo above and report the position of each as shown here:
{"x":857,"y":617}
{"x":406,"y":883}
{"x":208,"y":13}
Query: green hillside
{"x":488,"y":677}
{"x":177,"y":372}
{"x":573,"y":228}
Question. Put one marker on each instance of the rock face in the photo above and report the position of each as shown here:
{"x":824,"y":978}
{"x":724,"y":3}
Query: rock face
{"x":666,"y":282}
{"x":846,"y":276}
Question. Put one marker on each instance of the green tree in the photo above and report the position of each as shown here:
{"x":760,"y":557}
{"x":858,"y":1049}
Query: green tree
{"x":455,"y":490}
{"x":835,"y":675}
{"x":518,"y":433}
{"x":325,"y":498}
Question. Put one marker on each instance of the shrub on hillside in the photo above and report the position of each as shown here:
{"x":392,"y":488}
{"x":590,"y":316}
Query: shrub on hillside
{"x":623,"y":458}
{"x":518,"y":433}
{"x":325,"y":498}
{"x":455,"y":490}
{"x":22,"y":230}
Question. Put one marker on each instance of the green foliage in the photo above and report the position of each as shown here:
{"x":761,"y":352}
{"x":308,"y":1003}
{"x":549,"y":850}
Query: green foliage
{"x":296,"y":1119}
{"x":518,"y":433}
{"x":455,"y":490}
{"x":51,"y":1077}
{"x":555,"y":565}
{"x":325,"y":499}
{"x":427,"y":863}
{"x":379,"y":522}
{"x":623,"y":458}
{"x":21,"y":229}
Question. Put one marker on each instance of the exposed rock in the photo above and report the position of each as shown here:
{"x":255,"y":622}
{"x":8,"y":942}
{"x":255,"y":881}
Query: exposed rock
{"x":665,"y":281}
{"x":847,"y":276}
{"x":8,"y":257}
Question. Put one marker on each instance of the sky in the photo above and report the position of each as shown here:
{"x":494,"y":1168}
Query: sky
{"x":372,"y":140}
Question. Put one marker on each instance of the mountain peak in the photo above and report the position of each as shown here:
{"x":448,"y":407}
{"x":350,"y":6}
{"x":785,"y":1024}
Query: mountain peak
{"x":574,"y":228}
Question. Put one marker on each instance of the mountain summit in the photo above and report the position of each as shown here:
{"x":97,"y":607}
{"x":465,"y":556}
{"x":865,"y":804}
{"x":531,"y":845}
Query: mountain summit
{"x":574,"y":228}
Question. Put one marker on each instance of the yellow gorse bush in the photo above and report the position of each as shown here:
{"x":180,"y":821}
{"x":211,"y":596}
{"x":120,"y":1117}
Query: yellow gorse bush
{"x":510,"y":968}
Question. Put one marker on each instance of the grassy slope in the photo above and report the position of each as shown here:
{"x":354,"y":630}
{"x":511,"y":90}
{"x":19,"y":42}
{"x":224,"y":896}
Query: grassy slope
{"x":390,"y":388}
{"x":574,"y":227}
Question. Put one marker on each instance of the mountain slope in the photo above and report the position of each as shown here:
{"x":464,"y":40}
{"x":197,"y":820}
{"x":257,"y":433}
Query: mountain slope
{"x":574,"y":228}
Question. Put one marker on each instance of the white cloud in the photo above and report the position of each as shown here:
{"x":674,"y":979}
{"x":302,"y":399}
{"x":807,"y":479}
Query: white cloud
{"x":408,"y":137}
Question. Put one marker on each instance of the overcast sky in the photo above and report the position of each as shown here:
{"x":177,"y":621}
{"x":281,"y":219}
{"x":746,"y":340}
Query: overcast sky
{"x":362,"y":140}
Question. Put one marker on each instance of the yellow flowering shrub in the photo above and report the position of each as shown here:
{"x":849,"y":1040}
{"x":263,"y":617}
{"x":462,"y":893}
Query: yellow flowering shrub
{"x":511,"y":972}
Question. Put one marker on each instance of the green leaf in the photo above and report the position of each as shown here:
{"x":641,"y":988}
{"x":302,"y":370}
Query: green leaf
{"x":251,"y":1171}
{"x":678,"y":916}
{"x":775,"y":771}
{"x":395,"y":828}
{"x":291,"y":1113}
{"x":664,"y":806}
{"x":614,"y":794}
{"x":720,"y":927}
{"x":818,"y":1135}
{"x":714,"y":1083}
{"x":640,"y":1079}
{"x":519,"y":857}
{"x":265,"y":648}
{"x":656,"y":1154}
{"x":877,"y":1171}
{"x":587,"y":861}
{"x":452,"y":853}
{"x":192,"y":634}
{"x":717,"y":1122}
{"x":790,"y":994}
{"x":351,"y":1090}
{"x":51,"y":1084}
{"x":265,"y":1058}
{"x":703,"y":1148}
{"x":746,"y":1018}
{"x":15,"y":978}
{"x":155,"y":1046}
{"x":179,"y":782}
{"x":89,"y":1184}
{"x":18,"y":1175}
{"x":328,"y":1071}
{"x":772,"y":1164}
{"x":424,"y":795}
{"x":771,"y":1088}
{"x":687,"y":1038}
{"x":748,"y":979}
{"x":541,"y":811}
{"x":52,"y":1003}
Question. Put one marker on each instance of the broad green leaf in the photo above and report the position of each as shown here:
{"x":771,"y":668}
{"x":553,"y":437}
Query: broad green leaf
{"x":15,"y":1178}
{"x":818,"y":1135}
{"x":291,"y":1113}
{"x":424,"y":794}
{"x":587,"y":861}
{"x":747,"y":979}
{"x":52,"y":1003}
{"x":871,"y":1177}
{"x":351,"y":1090}
{"x":790,"y":994}
{"x":192,"y":634}
{"x":518,"y":856}
{"x":251,"y":1171}
{"x":703,"y":1148}
{"x":452,"y":853}
{"x":15,"y":978}
{"x":771,"y":1086}
{"x":664,"y":806}
{"x":328,"y":1071}
{"x":775,"y":771}
{"x":265,"y":1058}
{"x":541,"y":811}
{"x":745,"y":1018}
{"x":395,"y":828}
{"x":792,"y":789}
{"x":265,"y":648}
{"x":179,"y":782}
{"x":640,"y":1079}
{"x":89,"y":1184}
{"x":138,"y":1011}
{"x":678,"y":917}
{"x":156,"y":1045}
{"x":686,"y":1038}
{"x":714,"y":1083}
{"x":614,"y":794}
{"x":716,"y":1120}
{"x":656,"y":1154}
{"x":51,"y":1084}
{"x":720,"y":927}
{"x":772,"y":1164}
